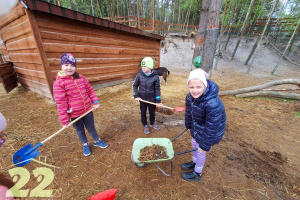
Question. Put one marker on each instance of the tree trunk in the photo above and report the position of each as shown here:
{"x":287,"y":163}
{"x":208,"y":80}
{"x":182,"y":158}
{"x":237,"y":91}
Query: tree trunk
{"x":142,"y":9}
{"x":161,"y":10}
{"x":166,"y":9}
{"x":287,"y":46}
{"x":262,"y":35}
{"x":255,"y":45}
{"x":118,"y":14}
{"x":138,"y":13}
{"x":99,"y":5}
{"x":153,"y":15}
{"x":220,"y":38}
{"x":283,"y":7}
{"x":111,"y":10}
{"x":178,"y":20}
{"x":172,"y":11}
{"x":232,"y":25}
{"x":292,"y":89}
{"x":292,"y":42}
{"x":107,"y":8}
{"x":269,"y":42}
{"x":211,"y":35}
{"x":201,"y":30}
{"x":243,"y":28}
{"x":283,"y":95}
{"x":188,"y":17}
{"x":134,"y":8}
{"x":92,"y":8}
{"x":76,"y":5}
{"x":128,"y":8}
{"x":260,"y":87}
{"x":253,"y":49}
{"x":251,"y":28}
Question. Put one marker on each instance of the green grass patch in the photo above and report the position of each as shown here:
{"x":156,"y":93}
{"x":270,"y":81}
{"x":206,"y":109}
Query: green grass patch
{"x":290,"y":100}
{"x":298,"y":114}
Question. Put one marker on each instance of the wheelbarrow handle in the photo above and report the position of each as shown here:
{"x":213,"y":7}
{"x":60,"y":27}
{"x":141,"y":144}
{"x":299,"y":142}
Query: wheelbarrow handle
{"x":78,"y":118}
{"x":179,"y":135}
{"x":185,"y":152}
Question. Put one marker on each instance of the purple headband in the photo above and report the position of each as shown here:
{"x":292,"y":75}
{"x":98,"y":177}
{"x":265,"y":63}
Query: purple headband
{"x":67,"y":58}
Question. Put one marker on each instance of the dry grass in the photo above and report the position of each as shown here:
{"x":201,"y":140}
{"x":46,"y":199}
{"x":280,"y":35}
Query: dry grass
{"x":257,"y":130}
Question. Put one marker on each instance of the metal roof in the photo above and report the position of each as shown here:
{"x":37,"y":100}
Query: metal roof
{"x":64,"y":12}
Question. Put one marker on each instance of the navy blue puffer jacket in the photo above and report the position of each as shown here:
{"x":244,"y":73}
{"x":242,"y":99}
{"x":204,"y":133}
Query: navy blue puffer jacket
{"x":147,"y":87}
{"x":206,"y":117}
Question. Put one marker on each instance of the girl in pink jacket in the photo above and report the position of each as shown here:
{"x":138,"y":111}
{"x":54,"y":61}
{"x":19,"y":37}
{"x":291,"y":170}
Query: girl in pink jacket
{"x":74,"y":96}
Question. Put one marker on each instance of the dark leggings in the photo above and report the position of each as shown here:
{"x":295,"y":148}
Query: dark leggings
{"x":88,"y":122}
{"x":151,"y":108}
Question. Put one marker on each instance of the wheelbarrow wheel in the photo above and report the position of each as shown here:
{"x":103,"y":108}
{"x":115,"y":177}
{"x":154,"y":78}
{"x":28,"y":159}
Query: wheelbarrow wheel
{"x":140,"y":164}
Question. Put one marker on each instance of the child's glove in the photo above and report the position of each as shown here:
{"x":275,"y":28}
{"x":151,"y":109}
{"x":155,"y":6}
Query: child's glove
{"x":137,"y":99}
{"x":96,"y":106}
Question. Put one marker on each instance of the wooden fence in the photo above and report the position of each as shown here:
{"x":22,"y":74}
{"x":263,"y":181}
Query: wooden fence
{"x":161,"y":27}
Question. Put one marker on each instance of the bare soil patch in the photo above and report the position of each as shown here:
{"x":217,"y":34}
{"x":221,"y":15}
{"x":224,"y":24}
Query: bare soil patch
{"x":257,"y":159}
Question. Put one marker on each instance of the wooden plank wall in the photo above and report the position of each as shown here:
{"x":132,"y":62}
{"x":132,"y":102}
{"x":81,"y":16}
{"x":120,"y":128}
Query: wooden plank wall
{"x":8,"y":77}
{"x":21,"y":49}
{"x":103,"y":55}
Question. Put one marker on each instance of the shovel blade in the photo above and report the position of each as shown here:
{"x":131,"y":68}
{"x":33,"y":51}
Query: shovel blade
{"x":21,"y":157}
{"x":164,"y":111}
{"x":179,"y":109}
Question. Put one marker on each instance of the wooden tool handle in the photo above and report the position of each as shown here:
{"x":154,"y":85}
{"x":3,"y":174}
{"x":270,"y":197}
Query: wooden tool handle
{"x":156,"y":104}
{"x":63,"y":128}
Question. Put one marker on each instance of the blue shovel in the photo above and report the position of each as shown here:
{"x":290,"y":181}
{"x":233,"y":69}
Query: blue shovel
{"x":28,"y":153}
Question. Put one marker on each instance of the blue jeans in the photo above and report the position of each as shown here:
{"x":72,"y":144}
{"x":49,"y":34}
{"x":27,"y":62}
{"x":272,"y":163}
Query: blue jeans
{"x":88,"y":122}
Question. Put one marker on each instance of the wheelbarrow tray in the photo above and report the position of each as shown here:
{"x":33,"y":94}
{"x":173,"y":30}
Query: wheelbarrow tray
{"x":141,"y":143}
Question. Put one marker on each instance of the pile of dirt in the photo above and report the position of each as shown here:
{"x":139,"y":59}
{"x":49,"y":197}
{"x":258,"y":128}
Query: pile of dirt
{"x":153,"y":152}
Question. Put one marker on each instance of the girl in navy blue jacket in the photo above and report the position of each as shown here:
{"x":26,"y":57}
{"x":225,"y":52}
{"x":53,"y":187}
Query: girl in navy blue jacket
{"x":205,"y":117}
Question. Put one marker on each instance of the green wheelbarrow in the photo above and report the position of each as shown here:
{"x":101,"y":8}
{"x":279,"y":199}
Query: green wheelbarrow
{"x":141,"y":143}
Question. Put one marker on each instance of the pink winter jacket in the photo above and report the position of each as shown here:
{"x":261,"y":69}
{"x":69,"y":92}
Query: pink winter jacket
{"x":73,"y":96}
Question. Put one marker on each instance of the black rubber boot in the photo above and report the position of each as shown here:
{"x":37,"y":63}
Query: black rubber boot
{"x":188,"y":166}
{"x":192,"y":176}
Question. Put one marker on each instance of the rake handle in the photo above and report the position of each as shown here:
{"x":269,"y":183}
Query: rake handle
{"x":63,"y":128}
{"x":156,"y":104}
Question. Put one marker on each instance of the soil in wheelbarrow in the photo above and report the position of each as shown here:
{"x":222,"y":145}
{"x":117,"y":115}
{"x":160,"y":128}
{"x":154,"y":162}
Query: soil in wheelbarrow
{"x":153,"y":152}
{"x":258,"y":157}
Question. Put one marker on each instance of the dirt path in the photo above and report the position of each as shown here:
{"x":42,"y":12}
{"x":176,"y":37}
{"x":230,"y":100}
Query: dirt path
{"x":257,"y":159}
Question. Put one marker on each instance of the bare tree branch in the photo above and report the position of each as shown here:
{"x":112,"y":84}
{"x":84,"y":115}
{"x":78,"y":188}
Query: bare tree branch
{"x":260,"y":87}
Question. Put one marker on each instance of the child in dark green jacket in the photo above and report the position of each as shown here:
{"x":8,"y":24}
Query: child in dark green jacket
{"x":146,"y":86}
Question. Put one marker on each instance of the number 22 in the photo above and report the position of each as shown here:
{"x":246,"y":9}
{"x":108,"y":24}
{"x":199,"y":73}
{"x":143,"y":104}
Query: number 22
{"x":24,"y":177}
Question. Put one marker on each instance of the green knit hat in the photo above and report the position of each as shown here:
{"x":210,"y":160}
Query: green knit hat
{"x":147,"y":62}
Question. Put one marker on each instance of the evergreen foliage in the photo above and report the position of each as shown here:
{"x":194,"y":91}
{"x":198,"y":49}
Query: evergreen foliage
{"x":180,"y":11}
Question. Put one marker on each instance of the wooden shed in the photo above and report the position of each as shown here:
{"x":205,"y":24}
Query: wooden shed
{"x":36,"y":33}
